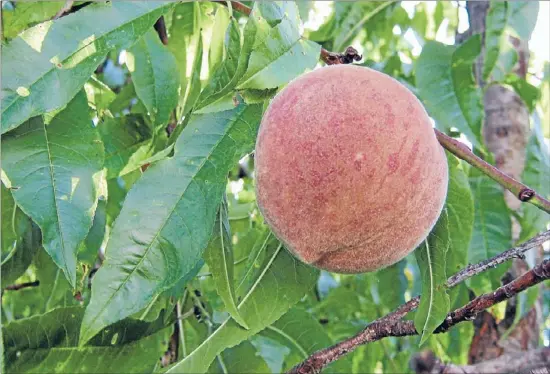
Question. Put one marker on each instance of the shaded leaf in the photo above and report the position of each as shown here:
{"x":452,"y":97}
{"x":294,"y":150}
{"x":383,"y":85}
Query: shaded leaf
{"x":243,"y":358}
{"x":45,"y":66}
{"x":155,"y":75}
{"x":27,"y":14}
{"x":359,"y":14}
{"x":99,"y":95}
{"x":20,"y":239}
{"x":54,"y":166}
{"x":492,"y":232}
{"x":495,"y":24}
{"x":168,"y":216}
{"x":535,"y":174}
{"x":446,"y":85}
{"x":431,"y":258}
{"x":460,"y":209}
{"x":299,"y":331}
{"x":226,"y":71}
{"x":219,"y":258}
{"x":528,"y":93}
{"x":48,"y":343}
{"x":282,"y":283}
{"x":128,"y":143}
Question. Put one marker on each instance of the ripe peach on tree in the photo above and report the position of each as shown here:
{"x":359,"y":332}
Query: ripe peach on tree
{"x":349,"y":173}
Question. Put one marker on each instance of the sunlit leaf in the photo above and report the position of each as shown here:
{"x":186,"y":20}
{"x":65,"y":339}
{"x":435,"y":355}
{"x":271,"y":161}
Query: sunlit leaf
{"x":54,"y":167}
{"x":45,"y":66}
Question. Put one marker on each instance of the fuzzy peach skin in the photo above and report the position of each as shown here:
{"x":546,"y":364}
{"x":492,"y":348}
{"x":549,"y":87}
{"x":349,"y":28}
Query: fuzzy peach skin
{"x":349,"y":173}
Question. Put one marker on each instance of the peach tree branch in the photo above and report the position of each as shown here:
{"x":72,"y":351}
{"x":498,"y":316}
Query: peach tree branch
{"x":521,"y":191}
{"x":391,"y":325}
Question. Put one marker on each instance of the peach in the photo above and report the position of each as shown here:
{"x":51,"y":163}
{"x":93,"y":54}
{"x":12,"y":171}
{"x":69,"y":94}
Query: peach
{"x":349,"y":173}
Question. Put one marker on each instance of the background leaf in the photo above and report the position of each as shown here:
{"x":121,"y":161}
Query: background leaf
{"x":20,"y":239}
{"x":492,"y":230}
{"x":155,"y":75}
{"x":446,"y":85}
{"x":45,"y":66}
{"x":53,"y":166}
{"x":494,"y":29}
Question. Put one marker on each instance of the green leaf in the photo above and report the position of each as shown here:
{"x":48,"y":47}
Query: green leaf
{"x":128,"y":142}
{"x":392,"y":297}
{"x":186,"y":45}
{"x":216,"y":52}
{"x":522,"y":17}
{"x":219,"y":258}
{"x":48,"y":343}
{"x":492,"y":232}
{"x":226,"y":71}
{"x":54,"y":167}
{"x":89,"y":249}
{"x":168,"y":216}
{"x":303,"y":334}
{"x":282,"y":283}
{"x":494,"y":30}
{"x":507,"y":60}
{"x":243,"y":358}
{"x":155,"y":76}
{"x":528,"y":93}
{"x":45,"y":66}
{"x":26,"y":14}
{"x":20,"y":239}
{"x":535,"y":174}
{"x":99,"y":95}
{"x":430,"y":256}
{"x":359,"y":14}
{"x":281,"y":57}
{"x":447,"y":87}
{"x":460,"y":209}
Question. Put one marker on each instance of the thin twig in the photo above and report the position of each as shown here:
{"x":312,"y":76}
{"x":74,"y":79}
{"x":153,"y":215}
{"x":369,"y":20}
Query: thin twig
{"x":516,"y":252}
{"x":20,"y":286}
{"x":386,"y":326}
{"x":521,"y":191}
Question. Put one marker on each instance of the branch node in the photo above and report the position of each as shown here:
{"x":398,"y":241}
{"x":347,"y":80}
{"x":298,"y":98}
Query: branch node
{"x":349,"y":56}
{"x":526,"y":194}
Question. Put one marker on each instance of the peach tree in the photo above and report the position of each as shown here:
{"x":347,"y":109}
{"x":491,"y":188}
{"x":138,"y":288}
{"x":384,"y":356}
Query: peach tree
{"x":132,"y":240}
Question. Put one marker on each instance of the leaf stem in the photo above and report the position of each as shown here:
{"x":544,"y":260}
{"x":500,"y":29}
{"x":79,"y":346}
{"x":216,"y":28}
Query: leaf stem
{"x":521,"y":191}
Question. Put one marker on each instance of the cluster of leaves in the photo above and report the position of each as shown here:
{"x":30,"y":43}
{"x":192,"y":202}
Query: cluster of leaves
{"x":116,"y":151}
